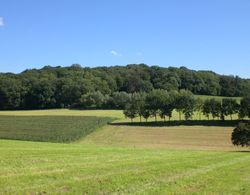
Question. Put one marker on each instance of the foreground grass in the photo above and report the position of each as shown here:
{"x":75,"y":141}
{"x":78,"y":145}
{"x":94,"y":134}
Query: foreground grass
{"x":33,"y":167}
{"x":49,"y":128}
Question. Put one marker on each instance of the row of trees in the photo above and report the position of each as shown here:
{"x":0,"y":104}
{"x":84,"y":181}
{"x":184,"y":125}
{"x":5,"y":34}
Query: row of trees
{"x":58,"y":87}
{"x":162,"y":103}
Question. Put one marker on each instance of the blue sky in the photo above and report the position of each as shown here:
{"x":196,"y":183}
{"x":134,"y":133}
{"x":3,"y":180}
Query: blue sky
{"x":199,"y":34}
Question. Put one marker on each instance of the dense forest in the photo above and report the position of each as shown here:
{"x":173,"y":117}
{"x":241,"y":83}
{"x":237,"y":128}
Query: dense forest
{"x":60,"y":87}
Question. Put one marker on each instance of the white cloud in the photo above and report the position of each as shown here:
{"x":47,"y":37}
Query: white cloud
{"x":115,"y":53}
{"x":1,"y":21}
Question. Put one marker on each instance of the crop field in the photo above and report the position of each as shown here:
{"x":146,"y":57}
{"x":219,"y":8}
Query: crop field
{"x":119,"y":158}
{"x":48,"y":128}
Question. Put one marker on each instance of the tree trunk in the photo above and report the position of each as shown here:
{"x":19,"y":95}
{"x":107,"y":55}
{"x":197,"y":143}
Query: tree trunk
{"x":155,"y":118}
{"x":164,"y":118}
{"x":200,"y":116}
{"x":231,"y":117}
{"x":180,"y":116}
{"x":140,"y":118}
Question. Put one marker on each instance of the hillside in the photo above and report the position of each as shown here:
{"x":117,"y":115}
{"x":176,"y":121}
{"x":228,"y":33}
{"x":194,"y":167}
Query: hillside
{"x":59,"y":87}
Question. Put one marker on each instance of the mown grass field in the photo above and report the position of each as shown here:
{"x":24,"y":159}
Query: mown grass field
{"x":39,"y":168}
{"x":49,"y":128}
{"x":177,"y":137}
{"x":120,"y":159}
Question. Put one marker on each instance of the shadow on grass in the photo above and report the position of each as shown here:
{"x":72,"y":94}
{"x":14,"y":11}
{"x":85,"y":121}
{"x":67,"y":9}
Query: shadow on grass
{"x":219,"y":123}
{"x":243,"y":151}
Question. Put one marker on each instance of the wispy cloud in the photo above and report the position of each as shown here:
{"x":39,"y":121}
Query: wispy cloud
{"x":115,"y":53}
{"x":1,"y":21}
{"x":139,"y":53}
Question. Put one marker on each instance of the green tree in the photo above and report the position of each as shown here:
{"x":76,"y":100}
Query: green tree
{"x":154,"y":101}
{"x":215,"y":108}
{"x":130,"y":111}
{"x":199,"y":106}
{"x":94,"y":100}
{"x":41,"y":95}
{"x":241,"y":135}
{"x":245,"y":107}
{"x":11,"y":93}
{"x":167,"y":107}
{"x":119,"y":100}
{"x":184,"y":103}
{"x":229,"y":107}
{"x":138,"y":100}
{"x":207,"y":108}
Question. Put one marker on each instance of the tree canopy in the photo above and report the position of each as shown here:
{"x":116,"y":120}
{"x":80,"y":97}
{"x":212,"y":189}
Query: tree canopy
{"x":57,"y":87}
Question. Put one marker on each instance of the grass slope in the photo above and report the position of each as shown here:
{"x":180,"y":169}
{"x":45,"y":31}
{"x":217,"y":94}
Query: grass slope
{"x":177,"y":137}
{"x":49,"y":128}
{"x":39,"y":168}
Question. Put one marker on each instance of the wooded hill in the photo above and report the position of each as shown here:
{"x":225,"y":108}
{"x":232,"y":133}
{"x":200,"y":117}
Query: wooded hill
{"x":57,"y":87}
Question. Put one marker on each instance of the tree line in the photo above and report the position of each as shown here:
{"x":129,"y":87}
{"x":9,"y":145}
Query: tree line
{"x":162,"y":103}
{"x":64,"y":87}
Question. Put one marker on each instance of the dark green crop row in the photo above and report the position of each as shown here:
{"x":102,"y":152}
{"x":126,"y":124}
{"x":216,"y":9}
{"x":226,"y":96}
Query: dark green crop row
{"x":49,"y":128}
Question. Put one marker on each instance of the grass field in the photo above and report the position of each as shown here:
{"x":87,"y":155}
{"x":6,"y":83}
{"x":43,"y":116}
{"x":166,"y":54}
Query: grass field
{"x":118,"y":114}
{"x":119,"y":158}
{"x":180,"y":137}
{"x":39,"y":168}
{"x":49,"y":128}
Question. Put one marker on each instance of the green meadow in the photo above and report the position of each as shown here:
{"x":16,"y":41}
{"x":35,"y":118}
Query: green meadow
{"x":46,"y":168}
{"x":116,"y":158}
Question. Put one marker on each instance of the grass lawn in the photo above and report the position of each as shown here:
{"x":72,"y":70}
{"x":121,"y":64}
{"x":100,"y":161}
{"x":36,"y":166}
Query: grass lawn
{"x":33,"y":167}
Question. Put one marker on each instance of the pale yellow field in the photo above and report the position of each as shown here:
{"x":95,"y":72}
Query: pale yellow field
{"x":182,"y":137}
{"x":104,"y":113}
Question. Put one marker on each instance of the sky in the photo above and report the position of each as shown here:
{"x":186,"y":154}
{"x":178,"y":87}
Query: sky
{"x":201,"y":35}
